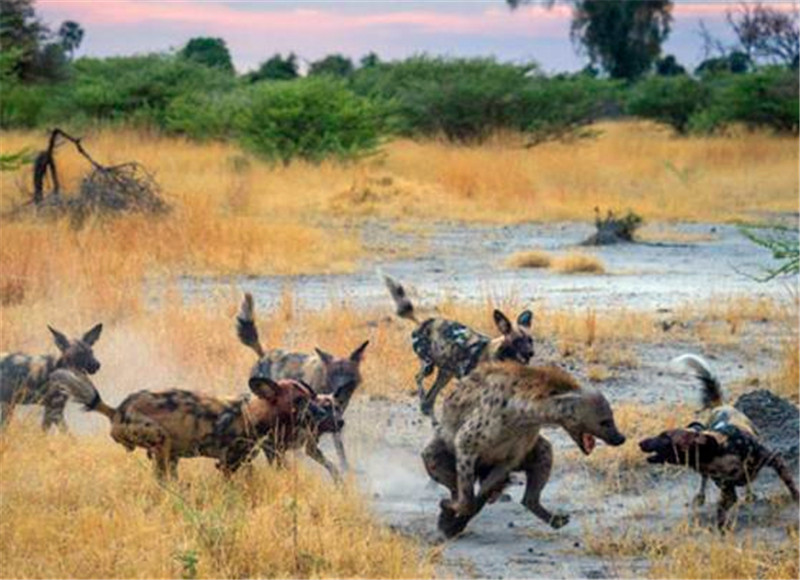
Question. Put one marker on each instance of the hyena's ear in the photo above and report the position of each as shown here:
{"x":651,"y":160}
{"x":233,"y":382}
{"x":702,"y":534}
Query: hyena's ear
{"x":91,"y":337}
{"x":502,"y":322}
{"x":358,"y":353}
{"x":62,"y":342}
{"x":324,"y":356}
{"x":525,"y":319}
{"x":264,"y":388}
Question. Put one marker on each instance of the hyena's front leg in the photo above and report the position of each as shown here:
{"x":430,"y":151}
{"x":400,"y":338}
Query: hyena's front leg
{"x":537,"y":465}
{"x":466,"y":459}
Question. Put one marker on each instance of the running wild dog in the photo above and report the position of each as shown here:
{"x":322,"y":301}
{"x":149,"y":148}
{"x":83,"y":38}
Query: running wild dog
{"x":490,"y":428}
{"x":24,"y":378}
{"x":329,"y":376}
{"x":174,"y":424}
{"x":725,"y":448}
{"x":455,"y":349}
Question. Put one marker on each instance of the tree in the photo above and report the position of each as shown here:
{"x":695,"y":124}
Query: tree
{"x":370,"y":60}
{"x":735,"y":62}
{"x":21,"y":32}
{"x":333,"y":65}
{"x":211,"y":52}
{"x":277,"y":68}
{"x":70,"y":35}
{"x":669,"y":67}
{"x":767,"y":33}
{"x":624,"y":36}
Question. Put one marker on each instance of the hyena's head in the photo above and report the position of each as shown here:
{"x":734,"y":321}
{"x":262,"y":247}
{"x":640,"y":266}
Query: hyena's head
{"x":680,"y":447}
{"x":516,"y":342}
{"x":77,"y":353}
{"x":586,"y":414}
{"x":342,"y":375}
{"x":291,"y":402}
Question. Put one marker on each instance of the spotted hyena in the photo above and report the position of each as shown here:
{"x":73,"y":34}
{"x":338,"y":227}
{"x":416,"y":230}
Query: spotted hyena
{"x":174,"y":424}
{"x":456,"y":349}
{"x":490,"y":428}
{"x":725,"y":448}
{"x":335,"y":378}
{"x":24,"y":378}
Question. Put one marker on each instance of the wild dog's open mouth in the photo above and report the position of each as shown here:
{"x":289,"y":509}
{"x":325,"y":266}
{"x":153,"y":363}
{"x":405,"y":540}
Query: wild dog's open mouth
{"x":587,"y":443}
{"x":655,"y":458}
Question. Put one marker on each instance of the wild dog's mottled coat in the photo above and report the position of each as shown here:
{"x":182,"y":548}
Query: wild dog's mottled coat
{"x":334,"y":378}
{"x":726,"y":448}
{"x":24,"y":379}
{"x":490,"y":427}
{"x":456,"y":349}
{"x":177,"y":423}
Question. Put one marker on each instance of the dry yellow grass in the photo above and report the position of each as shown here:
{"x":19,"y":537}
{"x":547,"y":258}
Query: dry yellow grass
{"x":529,"y":259}
{"x":578,"y":263}
{"x":86,"y":508}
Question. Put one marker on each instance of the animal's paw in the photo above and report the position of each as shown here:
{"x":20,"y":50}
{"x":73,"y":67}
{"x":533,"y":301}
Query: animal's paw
{"x":460,"y":509}
{"x":699,"y":500}
{"x":450,"y":523}
{"x":559,"y":521}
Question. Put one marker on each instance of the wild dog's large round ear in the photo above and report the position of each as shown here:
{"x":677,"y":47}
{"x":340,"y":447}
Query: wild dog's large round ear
{"x":358,"y":353}
{"x":61,"y":340}
{"x":502,"y":322}
{"x":91,"y":336}
{"x":324,"y":356}
{"x":264,"y":387}
{"x":525,"y":319}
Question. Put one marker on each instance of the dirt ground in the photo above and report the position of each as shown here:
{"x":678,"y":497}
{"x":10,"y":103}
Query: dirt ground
{"x":385,"y":437}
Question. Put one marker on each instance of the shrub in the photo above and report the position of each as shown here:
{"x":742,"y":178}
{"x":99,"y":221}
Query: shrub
{"x":671,"y":100}
{"x":529,"y":259}
{"x":577,"y":263}
{"x":309,"y":118}
{"x":767,"y":98}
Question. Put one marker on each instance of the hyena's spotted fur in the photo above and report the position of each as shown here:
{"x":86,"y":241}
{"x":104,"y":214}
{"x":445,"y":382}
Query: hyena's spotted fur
{"x":456,"y":349}
{"x":24,"y":379}
{"x":726,"y":448}
{"x":333,"y":378}
{"x":174,"y":424}
{"x":490,"y":428}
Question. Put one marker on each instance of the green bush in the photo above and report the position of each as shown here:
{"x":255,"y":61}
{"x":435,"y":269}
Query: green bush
{"x":671,"y":100}
{"x":311,"y":119}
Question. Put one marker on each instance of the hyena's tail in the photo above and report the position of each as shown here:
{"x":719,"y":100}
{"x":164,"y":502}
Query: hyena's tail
{"x":246,"y":325}
{"x":712,"y":395}
{"x":404,"y":308}
{"x":80,"y":388}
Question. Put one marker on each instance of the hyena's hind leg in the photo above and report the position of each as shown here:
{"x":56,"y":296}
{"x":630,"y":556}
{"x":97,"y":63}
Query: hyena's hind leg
{"x":537,"y":465}
{"x":777,"y":463}
{"x":440,"y":463}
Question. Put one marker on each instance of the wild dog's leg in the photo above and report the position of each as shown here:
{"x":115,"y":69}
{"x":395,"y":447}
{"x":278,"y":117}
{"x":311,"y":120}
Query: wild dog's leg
{"x":425,"y":370}
{"x":537,"y":465}
{"x":5,"y":413}
{"x":726,"y":501}
{"x":700,"y":498}
{"x":315,"y":453}
{"x":339,"y":444}
{"x":54,"y":404}
{"x":777,"y":463}
{"x":442,"y":378}
{"x":440,"y":464}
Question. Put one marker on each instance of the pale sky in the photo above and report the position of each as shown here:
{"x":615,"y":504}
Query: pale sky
{"x":256,"y":30}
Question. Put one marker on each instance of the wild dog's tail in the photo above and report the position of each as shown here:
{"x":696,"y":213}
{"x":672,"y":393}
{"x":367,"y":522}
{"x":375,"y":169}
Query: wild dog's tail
{"x":404,"y":307}
{"x":712,"y":395}
{"x":80,"y":388}
{"x":246,"y":325}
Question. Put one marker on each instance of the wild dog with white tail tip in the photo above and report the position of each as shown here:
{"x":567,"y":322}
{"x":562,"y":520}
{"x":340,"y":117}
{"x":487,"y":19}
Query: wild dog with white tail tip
{"x":456,"y":349}
{"x":176,"y":423}
{"x":726,"y":448}
{"x":491,"y":426}
{"x":334,"y":378}
{"x":24,"y":378}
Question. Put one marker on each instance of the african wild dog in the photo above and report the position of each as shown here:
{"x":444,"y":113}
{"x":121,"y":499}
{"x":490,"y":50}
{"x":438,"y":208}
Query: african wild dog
{"x":726,"y":448}
{"x":329,"y":376}
{"x":24,"y":378}
{"x":176,"y":423}
{"x":456,"y":349}
{"x":490,"y":428}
